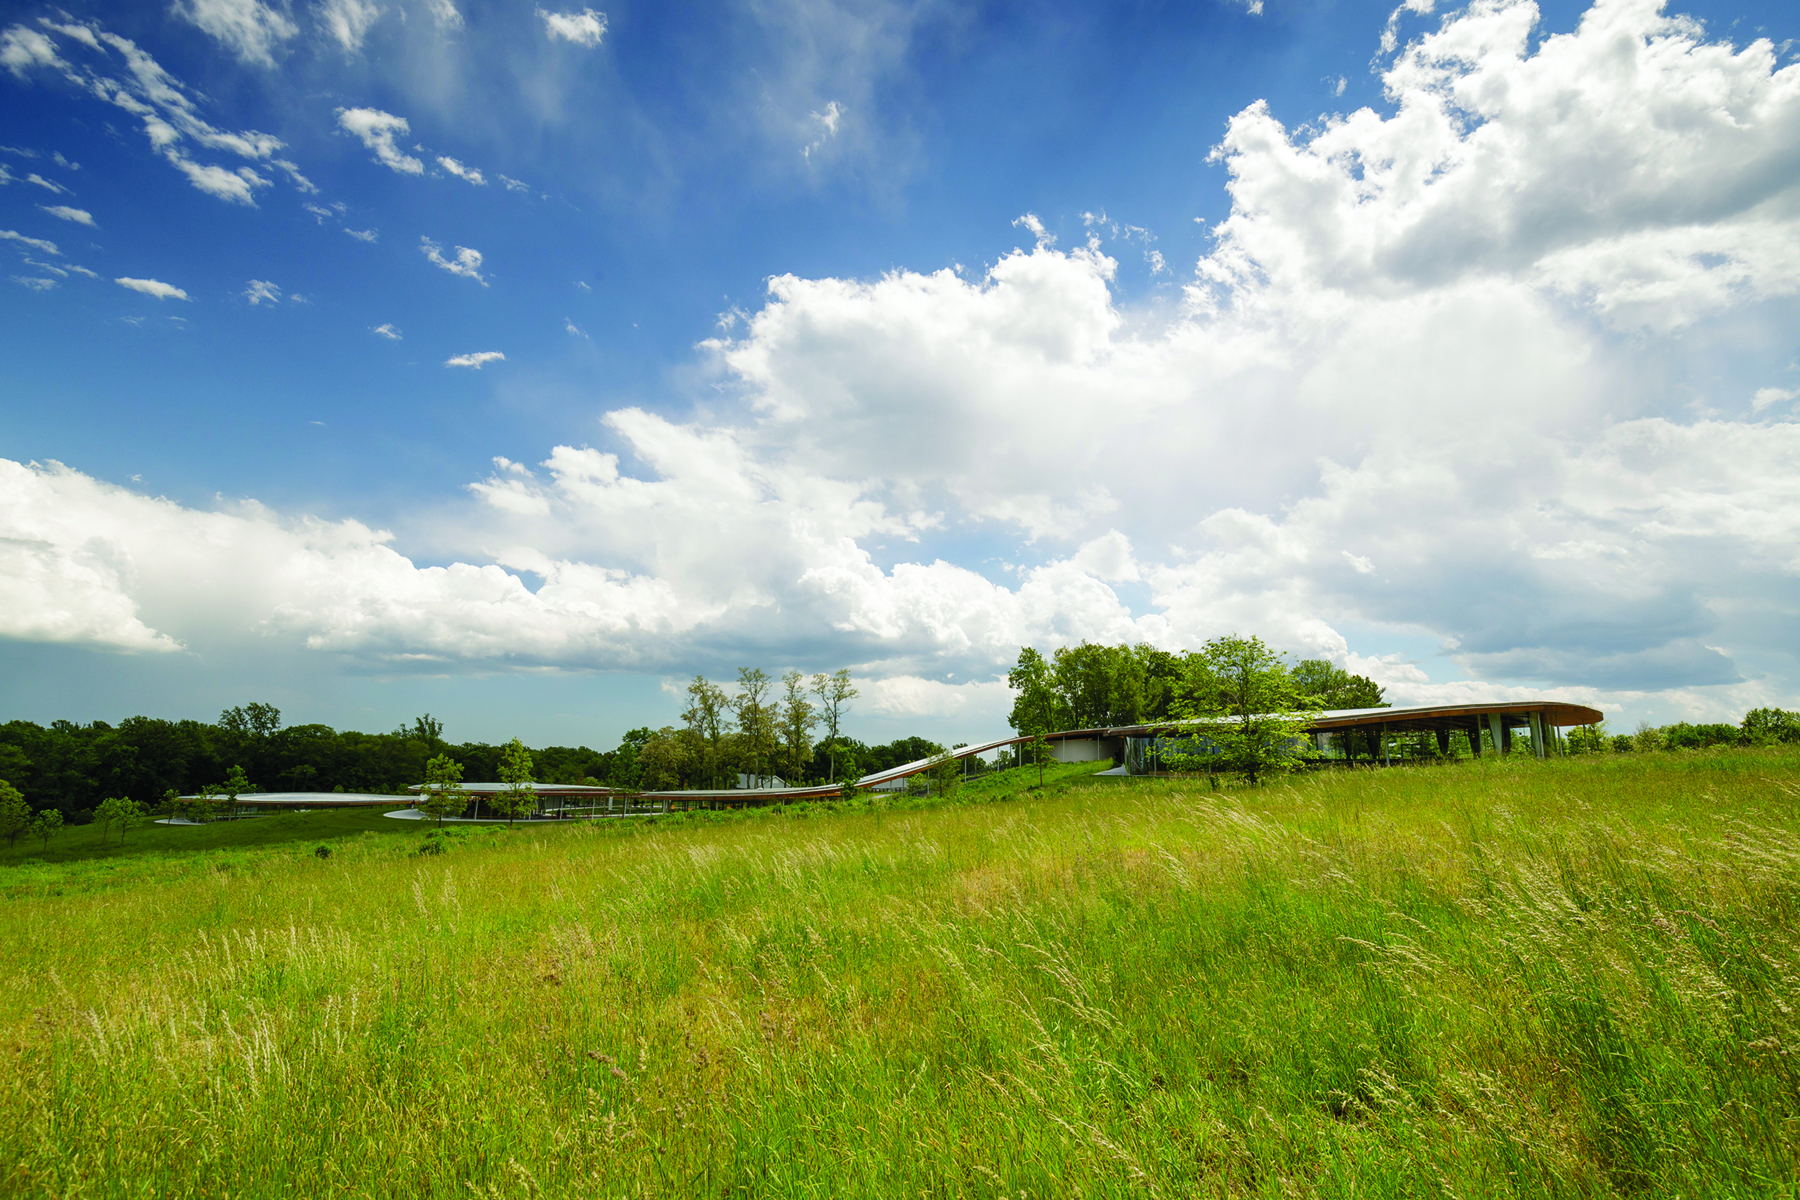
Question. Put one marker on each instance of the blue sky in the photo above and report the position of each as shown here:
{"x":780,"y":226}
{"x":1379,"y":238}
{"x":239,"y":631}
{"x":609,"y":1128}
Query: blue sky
{"x":1454,"y":344}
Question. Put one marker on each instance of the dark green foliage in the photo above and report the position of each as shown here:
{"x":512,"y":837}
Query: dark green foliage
{"x":1766,"y":726}
{"x":1333,"y":687}
{"x":1683,"y":736}
{"x":72,"y":767}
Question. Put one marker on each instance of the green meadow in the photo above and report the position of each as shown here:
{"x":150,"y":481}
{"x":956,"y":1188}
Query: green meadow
{"x":1578,"y":977}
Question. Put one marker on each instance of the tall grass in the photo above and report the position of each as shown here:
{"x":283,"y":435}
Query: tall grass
{"x":1576,"y":977}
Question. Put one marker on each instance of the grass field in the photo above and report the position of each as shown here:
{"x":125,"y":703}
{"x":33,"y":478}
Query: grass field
{"x":1579,"y":977}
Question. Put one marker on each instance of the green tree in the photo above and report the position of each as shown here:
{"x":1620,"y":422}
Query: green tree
{"x":430,"y":730}
{"x":1038,"y":707}
{"x":945,"y":773}
{"x":1589,"y":739}
{"x":798,"y":720}
{"x":705,"y":717}
{"x":15,"y":814}
{"x":835,"y":692}
{"x":46,"y":825}
{"x":755,"y":719}
{"x":1329,"y":686}
{"x":1249,"y":715}
{"x":846,"y":754}
{"x":1769,"y":726}
{"x":664,"y":758}
{"x":518,"y":797}
{"x":120,"y":811}
{"x":443,"y":794}
{"x":1333,"y":687}
{"x":236,"y":784}
{"x":204,"y":805}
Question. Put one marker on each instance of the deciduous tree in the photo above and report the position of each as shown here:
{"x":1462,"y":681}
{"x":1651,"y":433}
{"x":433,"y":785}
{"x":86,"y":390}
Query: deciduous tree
{"x":430,"y":730}
{"x":119,"y":811}
{"x":754,"y":719}
{"x":945,"y":772}
{"x":236,"y":784}
{"x":1248,"y":714}
{"x":46,"y":825}
{"x":835,"y":692}
{"x":443,"y":794}
{"x":1037,"y":707}
{"x":705,"y":717}
{"x":15,"y":814}
{"x":664,"y":758}
{"x":798,"y":720}
{"x":518,"y":797}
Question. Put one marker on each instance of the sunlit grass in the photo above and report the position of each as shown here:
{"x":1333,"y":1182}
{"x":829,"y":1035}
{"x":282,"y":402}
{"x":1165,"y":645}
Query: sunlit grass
{"x":1577,"y":977}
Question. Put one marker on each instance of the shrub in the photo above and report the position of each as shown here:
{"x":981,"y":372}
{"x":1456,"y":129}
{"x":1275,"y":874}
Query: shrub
{"x":322,"y":852}
{"x":1683,"y":736}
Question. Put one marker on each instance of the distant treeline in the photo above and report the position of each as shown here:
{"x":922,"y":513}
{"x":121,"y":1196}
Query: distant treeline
{"x":1760,"y":727}
{"x":72,"y":767}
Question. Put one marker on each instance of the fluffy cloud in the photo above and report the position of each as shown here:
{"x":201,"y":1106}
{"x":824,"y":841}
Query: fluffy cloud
{"x":153,"y":287}
{"x":377,"y":130}
{"x":1420,"y":385}
{"x":387,"y":331}
{"x":262,"y":291}
{"x":476,"y":360}
{"x":347,"y":22}
{"x":77,"y":215}
{"x":67,"y":581}
{"x":584,"y":28}
{"x":168,"y":109}
{"x":251,"y":29}
{"x":1632,"y":166}
{"x":467,"y":262}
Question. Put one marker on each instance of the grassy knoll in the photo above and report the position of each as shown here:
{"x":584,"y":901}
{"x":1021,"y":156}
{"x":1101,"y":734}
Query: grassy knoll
{"x":1576,"y":977}
{"x":80,"y":842}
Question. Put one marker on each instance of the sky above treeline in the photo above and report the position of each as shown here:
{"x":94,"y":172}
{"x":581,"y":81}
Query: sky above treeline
{"x":369,"y":357}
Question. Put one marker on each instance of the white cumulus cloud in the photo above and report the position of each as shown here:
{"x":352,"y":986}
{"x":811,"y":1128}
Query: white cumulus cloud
{"x":584,"y":28}
{"x":377,"y":130}
{"x":466,"y":263}
{"x":262,"y":291}
{"x":387,"y":331}
{"x":1407,"y":392}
